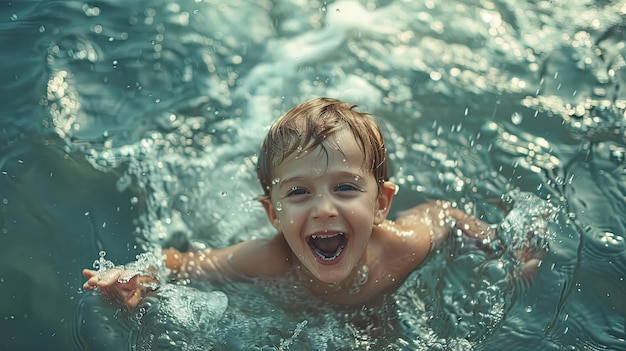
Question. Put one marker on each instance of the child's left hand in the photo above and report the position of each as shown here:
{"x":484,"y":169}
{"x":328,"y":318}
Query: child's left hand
{"x":487,"y":239}
{"x":476,"y":231}
{"x":123,"y":286}
{"x":476,"y":228}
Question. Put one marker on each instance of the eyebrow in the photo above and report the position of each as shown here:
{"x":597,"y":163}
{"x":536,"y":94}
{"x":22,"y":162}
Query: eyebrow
{"x":290,"y":180}
{"x":339,"y":174}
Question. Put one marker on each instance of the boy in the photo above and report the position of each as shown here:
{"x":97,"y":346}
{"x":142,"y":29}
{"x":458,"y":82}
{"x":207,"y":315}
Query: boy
{"x":323,"y":170}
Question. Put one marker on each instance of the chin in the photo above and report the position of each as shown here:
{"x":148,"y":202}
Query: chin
{"x":332,"y":274}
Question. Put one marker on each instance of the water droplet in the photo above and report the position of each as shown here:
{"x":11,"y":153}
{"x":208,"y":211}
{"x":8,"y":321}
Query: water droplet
{"x":529,"y":309}
{"x":517,"y":118}
{"x":275,"y":181}
{"x":224,"y":193}
{"x":618,"y":155}
{"x":279,"y":206}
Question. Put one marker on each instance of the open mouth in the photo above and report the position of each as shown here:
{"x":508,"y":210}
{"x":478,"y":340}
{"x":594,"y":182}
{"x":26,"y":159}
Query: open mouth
{"x":327,"y":247}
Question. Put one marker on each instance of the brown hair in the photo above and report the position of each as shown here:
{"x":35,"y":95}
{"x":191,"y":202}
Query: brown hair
{"x":307,"y":125}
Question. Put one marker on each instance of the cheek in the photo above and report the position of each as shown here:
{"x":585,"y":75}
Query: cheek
{"x":371,"y":208}
{"x":287,"y":223}
{"x":286,"y":218}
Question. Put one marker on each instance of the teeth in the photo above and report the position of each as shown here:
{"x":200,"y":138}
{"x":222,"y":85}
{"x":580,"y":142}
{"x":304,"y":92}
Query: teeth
{"x":327,"y":251}
{"x":323,"y":256}
{"x":315,"y":236}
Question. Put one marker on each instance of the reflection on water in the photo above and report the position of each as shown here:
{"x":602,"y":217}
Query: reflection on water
{"x":136,"y":123}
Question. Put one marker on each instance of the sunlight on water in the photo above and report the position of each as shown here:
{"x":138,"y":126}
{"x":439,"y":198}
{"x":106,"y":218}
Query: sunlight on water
{"x":469,"y":314}
{"x":184,"y":158}
{"x":513,"y":110}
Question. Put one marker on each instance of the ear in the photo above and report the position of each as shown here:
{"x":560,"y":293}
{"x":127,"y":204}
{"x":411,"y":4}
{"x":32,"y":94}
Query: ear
{"x":383,"y":205}
{"x":271,"y":213}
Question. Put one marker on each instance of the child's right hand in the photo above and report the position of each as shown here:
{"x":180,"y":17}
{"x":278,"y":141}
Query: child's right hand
{"x":123,"y":286}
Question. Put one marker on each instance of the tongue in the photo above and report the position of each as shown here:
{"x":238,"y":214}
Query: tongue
{"x":328,"y":246}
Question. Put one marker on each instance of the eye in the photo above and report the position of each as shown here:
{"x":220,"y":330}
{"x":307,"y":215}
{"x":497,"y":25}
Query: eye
{"x":347,"y":187}
{"x":294,"y":191}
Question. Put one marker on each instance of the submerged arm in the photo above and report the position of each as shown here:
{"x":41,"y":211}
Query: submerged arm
{"x":441,"y":218}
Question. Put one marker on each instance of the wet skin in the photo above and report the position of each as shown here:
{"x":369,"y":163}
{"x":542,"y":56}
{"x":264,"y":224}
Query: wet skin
{"x":330,"y":216}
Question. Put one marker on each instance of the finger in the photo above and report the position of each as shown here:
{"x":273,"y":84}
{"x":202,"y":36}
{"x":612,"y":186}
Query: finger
{"x":93,"y":281}
{"x":530,"y":268}
{"x":129,"y":293}
{"x":87,"y":286}
{"x":128,"y":282}
{"x":132,"y":299}
{"x":143,"y":280}
{"x":474,"y":227}
{"x":110,"y":277}
{"x":88,"y":273}
{"x":95,"y":278}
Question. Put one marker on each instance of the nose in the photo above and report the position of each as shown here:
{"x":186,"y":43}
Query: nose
{"x":323,"y":207}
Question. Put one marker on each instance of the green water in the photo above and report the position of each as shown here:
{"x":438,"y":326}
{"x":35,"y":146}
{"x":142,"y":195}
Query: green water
{"x":126,"y":124}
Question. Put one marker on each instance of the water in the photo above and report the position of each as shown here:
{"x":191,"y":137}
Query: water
{"x":127,"y":125}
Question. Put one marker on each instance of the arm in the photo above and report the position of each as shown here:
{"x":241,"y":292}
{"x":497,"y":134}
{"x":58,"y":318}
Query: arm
{"x":240,"y":262}
{"x":244,"y":261}
{"x":441,"y":217}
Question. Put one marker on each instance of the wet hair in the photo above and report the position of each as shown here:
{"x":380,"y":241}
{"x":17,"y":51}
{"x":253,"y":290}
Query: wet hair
{"x":309,"y":124}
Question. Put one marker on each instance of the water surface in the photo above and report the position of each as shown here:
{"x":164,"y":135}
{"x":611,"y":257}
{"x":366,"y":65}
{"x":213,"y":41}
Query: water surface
{"x":127,"y":125}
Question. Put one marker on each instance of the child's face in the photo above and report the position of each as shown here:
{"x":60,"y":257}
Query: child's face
{"x":326,"y":207}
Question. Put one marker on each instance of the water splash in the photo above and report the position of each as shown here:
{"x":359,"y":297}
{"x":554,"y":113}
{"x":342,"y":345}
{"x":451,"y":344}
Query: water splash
{"x":361,"y":278}
{"x":102,"y":265}
{"x":169,"y":158}
{"x":529,"y":225}
{"x":193,"y":309}
{"x":148,"y":264}
{"x":286,"y":343}
{"x":183,"y":319}
{"x":517,"y":118}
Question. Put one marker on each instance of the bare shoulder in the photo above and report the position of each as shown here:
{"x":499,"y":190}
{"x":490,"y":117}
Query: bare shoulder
{"x":405,"y":240}
{"x":426,"y":212}
{"x":417,"y":230}
{"x":440,"y":217}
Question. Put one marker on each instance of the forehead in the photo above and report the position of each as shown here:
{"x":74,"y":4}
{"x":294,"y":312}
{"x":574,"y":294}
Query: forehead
{"x":339,"y":150}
